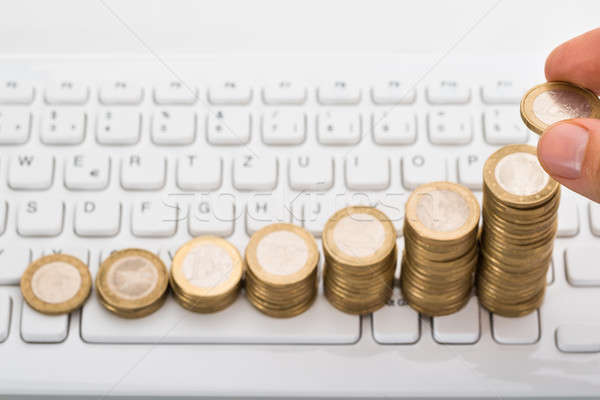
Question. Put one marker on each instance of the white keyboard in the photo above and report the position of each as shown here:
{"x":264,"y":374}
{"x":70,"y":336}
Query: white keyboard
{"x":98,"y":154}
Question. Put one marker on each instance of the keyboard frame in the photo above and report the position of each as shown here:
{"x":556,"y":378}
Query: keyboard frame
{"x":365,"y":369}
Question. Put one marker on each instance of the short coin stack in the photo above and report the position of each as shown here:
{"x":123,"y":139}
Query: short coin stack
{"x":282,"y":274}
{"x":441,"y":252}
{"x":132,"y":283}
{"x":56,"y":284}
{"x":359,"y":244}
{"x":520,"y":203}
{"x":206,"y":274}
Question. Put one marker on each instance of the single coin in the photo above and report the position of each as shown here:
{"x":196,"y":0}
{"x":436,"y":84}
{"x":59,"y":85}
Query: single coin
{"x":206,"y":273}
{"x":442,"y":211}
{"x":132,"y":280}
{"x":514,"y":175}
{"x":56,"y":284}
{"x":552,"y":102}
{"x":359,"y":236}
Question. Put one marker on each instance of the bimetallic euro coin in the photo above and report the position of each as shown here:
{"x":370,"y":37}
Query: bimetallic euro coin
{"x":132,"y":283}
{"x":281,"y":275}
{"x":56,"y":284}
{"x":552,"y":102}
{"x":206,"y":274}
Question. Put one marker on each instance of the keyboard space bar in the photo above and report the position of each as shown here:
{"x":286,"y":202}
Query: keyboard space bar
{"x":240,"y":323}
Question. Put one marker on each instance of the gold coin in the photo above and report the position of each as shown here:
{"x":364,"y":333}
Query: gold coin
{"x":359,"y":245}
{"x":551,"y":102}
{"x":206,"y":273}
{"x":514,"y":176}
{"x":132,"y":282}
{"x":282,"y":277}
{"x":56,"y":284}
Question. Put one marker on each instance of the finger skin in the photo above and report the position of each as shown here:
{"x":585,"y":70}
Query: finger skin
{"x":588,"y":183}
{"x":577,"y":61}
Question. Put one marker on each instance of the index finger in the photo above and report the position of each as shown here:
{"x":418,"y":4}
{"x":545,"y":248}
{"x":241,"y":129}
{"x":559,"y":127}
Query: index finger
{"x":577,"y":61}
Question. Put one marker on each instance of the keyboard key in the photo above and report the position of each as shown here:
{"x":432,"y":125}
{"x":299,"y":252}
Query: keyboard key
{"x":367,"y":172}
{"x":76,"y":251}
{"x":118,"y":127}
{"x":522,"y":330}
{"x":212,"y":216}
{"x":41,"y":218}
{"x":284,"y":92}
{"x":396,"y":322}
{"x":581,"y":265}
{"x":392,"y":204}
{"x":239,"y":323}
{"x":87,"y":172}
{"x":16,"y":92}
{"x":199,"y":172}
{"x":230,"y":92}
{"x":174,"y":127}
{"x":448,"y":92}
{"x":470,"y":169}
{"x":63,"y":126}
{"x":3,"y":215}
{"x":31,"y":172}
{"x":5,"y":311}
{"x":308,"y":172}
{"x":40,"y":328}
{"x":393,"y":92}
{"x":449,"y":127}
{"x":338,"y":93}
{"x":503,"y":126}
{"x":578,"y":338}
{"x":175,"y":92}
{"x":568,"y":215}
{"x":316,"y":210}
{"x":594,"y":210}
{"x":395,"y":127}
{"x":283,"y":127}
{"x":97,"y":218}
{"x":418,"y":169}
{"x":15,"y":126}
{"x":121,"y":92}
{"x":13,"y":262}
{"x":66,"y":92}
{"x":263,"y":210}
{"x":461,"y":327}
{"x":501,"y":92}
{"x":229,"y":127}
{"x":255,"y":173}
{"x":154,"y":218}
{"x":339,"y":127}
{"x":143,"y":172}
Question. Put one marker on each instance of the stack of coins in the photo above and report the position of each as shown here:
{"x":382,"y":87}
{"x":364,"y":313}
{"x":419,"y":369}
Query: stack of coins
{"x":441,"y":252}
{"x":206,"y":274}
{"x":56,"y":284}
{"x":281,"y":279}
{"x":359,"y":244}
{"x":520,"y":203}
{"x":132,"y":283}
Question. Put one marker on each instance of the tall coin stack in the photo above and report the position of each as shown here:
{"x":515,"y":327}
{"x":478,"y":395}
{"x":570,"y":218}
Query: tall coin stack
{"x":359,"y":244}
{"x":206,"y":273}
{"x":441,"y":252}
{"x":520,"y":203}
{"x":282,"y":274}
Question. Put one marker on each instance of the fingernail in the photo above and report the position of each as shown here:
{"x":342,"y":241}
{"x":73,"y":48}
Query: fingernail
{"x":562,"y":149}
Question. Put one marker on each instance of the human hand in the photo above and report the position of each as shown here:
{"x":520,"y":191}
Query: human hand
{"x":570,"y":151}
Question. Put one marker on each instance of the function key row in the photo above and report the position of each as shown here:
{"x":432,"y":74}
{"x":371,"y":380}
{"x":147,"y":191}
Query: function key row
{"x":281,"y":126}
{"x":278,"y":93}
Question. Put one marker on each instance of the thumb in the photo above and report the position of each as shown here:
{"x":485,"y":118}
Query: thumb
{"x":570,"y":152}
